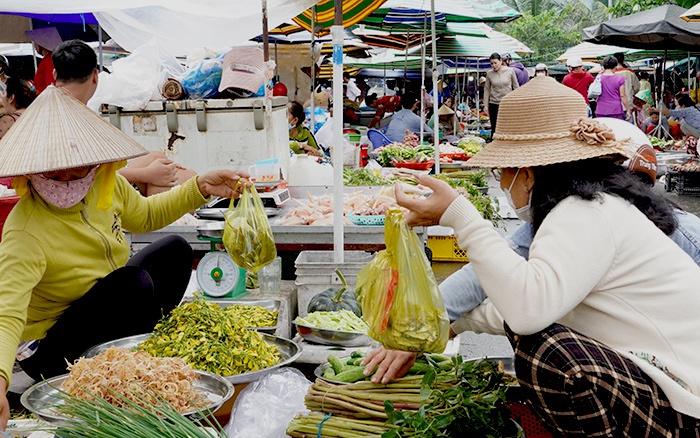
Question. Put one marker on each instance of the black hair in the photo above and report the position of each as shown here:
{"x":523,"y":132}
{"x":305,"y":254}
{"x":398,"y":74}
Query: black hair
{"x":346,"y":74}
{"x":74,"y":61}
{"x":370,"y":99}
{"x":685,"y":100}
{"x":620,"y":57}
{"x":495,"y":56}
{"x":588,"y":180}
{"x":23,"y":91}
{"x":297,"y":110}
{"x":408,"y":100}
{"x":610,"y":62}
{"x":643,"y":75}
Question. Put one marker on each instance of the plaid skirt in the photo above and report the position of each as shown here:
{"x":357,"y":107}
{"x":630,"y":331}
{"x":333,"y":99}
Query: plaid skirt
{"x":580,"y":387}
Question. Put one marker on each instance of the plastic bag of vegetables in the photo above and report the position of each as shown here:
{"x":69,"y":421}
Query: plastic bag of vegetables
{"x":399,"y":295}
{"x":247,"y":235}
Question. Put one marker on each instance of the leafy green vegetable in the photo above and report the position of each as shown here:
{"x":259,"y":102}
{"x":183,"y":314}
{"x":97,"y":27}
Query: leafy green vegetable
{"x":474,"y":405}
{"x":365,"y":177}
{"x":343,"y":320}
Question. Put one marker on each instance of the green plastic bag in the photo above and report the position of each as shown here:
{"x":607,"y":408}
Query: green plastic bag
{"x":247,"y":235}
{"x":399,"y":295}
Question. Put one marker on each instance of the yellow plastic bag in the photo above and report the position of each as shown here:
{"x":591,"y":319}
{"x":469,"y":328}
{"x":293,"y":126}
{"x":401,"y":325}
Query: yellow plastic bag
{"x":399,"y":295}
{"x":247,"y":235}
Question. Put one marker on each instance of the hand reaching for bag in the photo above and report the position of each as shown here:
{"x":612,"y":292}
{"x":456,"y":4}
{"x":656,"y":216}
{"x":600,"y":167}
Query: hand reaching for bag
{"x":223,"y":183}
{"x":428,"y":211}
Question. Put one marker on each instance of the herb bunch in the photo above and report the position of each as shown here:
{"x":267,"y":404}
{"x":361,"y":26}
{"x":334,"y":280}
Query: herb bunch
{"x":473,"y":406}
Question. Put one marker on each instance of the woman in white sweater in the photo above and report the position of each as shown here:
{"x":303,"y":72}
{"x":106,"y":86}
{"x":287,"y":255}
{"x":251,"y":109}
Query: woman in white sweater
{"x":603,"y":317}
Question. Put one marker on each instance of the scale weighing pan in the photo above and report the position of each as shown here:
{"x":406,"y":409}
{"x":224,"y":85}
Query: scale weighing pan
{"x":218,"y":213}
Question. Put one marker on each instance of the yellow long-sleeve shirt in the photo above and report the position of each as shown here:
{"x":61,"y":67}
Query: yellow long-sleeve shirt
{"x":49,"y":256}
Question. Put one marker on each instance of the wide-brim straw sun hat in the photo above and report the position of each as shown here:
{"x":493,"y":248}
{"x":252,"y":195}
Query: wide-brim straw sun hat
{"x":58,"y":132}
{"x":445,"y":111}
{"x":542,"y":123}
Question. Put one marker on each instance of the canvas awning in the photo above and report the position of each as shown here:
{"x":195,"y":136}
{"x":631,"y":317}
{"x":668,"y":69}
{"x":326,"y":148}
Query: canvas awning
{"x":659,"y":28}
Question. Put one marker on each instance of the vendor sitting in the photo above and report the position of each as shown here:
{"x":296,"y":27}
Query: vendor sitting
{"x":446,"y":124}
{"x":302,"y":141}
{"x":653,"y":121}
{"x":642,"y":102}
{"x":688,"y":113}
{"x":405,"y":120}
{"x":383,"y":105}
{"x":68,"y":280}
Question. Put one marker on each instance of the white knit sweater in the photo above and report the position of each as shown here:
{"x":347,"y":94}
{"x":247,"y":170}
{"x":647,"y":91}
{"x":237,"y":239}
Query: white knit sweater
{"x":601,"y":268}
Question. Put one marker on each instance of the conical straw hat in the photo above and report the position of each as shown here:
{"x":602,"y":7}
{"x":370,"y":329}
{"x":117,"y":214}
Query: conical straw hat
{"x":544,"y":122}
{"x":59,"y":132}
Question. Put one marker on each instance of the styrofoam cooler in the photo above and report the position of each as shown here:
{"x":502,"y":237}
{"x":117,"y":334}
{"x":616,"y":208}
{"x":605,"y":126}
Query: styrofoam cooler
{"x":210,"y":134}
{"x":315,"y":272}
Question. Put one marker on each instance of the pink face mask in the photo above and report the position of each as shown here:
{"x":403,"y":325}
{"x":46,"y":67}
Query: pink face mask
{"x":63,"y":194}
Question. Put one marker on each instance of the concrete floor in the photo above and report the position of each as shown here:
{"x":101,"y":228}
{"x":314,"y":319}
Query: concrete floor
{"x":473,"y":345}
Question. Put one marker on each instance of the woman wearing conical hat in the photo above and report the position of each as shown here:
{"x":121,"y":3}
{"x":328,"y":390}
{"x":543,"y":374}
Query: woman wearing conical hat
{"x":66,"y":279}
{"x":602,"y":316}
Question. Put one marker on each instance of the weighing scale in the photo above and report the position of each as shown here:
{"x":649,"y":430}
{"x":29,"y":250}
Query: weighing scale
{"x":218,"y":275}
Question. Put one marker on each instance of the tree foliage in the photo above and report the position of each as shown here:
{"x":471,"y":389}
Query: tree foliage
{"x":553,"y":30}
{"x":627,"y":7}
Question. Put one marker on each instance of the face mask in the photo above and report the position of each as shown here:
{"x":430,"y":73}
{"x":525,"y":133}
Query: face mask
{"x":540,"y":74}
{"x":290,"y":126}
{"x":524,"y":213}
{"x":63,"y":194}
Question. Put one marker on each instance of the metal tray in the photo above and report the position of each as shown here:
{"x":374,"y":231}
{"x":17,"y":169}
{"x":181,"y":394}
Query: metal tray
{"x":289,"y":351}
{"x":332,"y":337}
{"x":266,"y":304}
{"x":41,"y":398}
{"x":218,"y":213}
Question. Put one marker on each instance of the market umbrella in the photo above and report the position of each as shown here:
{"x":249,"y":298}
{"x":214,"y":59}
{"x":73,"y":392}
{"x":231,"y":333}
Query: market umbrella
{"x":407,"y":13}
{"x":692,"y":14}
{"x":353,"y":12}
{"x":660,"y":28}
{"x":593,"y":52}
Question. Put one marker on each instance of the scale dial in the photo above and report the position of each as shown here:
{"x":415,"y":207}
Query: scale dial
{"x":217,"y":274}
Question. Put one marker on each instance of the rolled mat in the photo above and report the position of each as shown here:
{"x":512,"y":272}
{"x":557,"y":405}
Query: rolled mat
{"x":172,"y":89}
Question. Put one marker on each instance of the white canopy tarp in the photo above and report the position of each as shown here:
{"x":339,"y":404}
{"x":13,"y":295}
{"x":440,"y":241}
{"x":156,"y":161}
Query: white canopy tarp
{"x":178,"y":26}
{"x":591,"y":52}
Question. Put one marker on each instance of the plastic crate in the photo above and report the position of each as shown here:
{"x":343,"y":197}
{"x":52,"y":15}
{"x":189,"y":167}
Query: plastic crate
{"x":688,"y":184}
{"x":446,"y":249}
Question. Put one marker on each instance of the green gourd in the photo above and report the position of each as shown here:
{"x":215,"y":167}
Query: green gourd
{"x":335,"y":298}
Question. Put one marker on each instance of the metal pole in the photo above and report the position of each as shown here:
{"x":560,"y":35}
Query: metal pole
{"x":312,"y":123}
{"x":266,"y":36}
{"x":31,"y":27}
{"x":422,"y":79}
{"x":338,"y":225}
{"x":99,"y":46}
{"x":436,"y":135}
{"x":454,"y":117}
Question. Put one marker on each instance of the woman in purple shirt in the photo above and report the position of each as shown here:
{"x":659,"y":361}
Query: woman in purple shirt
{"x":613,"y":98}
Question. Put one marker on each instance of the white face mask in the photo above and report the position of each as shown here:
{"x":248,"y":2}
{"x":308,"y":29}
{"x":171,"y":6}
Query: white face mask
{"x":524,"y":213}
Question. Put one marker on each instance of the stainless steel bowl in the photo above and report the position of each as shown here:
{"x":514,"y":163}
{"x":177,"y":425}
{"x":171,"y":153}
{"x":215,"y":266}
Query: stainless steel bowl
{"x":332,"y":337}
{"x":319,"y":370}
{"x":266,"y":304}
{"x":289,"y":352}
{"x":214,"y":229}
{"x":42,"y":398}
